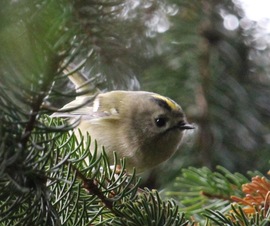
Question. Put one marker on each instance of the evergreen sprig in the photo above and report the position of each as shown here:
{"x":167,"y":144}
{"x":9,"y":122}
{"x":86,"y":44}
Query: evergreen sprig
{"x":198,"y":189}
{"x":149,"y":209}
{"x":237,"y":216}
{"x":221,"y":197}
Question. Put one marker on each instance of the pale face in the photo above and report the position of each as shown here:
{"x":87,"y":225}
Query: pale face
{"x":157,"y":130}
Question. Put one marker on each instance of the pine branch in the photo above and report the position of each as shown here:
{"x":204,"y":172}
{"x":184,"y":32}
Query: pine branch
{"x":29,"y":63}
{"x":38,"y":101}
{"x":237,"y":216}
{"x":201,"y":193}
{"x":92,"y":186}
{"x":198,"y":189}
{"x":149,"y":209}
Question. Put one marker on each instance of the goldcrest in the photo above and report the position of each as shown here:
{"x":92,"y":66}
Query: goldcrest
{"x":145,"y":128}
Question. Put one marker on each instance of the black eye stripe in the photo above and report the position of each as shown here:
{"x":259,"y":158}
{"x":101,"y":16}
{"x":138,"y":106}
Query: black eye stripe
{"x":162,"y":103}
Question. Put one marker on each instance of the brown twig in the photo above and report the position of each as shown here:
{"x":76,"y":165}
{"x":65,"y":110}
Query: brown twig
{"x":215,"y":196}
{"x":38,"y":101}
{"x":92,"y":186}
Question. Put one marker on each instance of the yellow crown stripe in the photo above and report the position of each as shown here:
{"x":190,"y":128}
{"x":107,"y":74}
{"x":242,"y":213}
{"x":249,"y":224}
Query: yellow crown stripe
{"x":170,"y":103}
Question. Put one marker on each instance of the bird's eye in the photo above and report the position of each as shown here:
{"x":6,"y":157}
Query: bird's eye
{"x":160,"y":122}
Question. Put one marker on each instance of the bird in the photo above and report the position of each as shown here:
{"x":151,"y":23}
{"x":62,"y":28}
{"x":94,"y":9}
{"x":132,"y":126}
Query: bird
{"x":144,"y":128}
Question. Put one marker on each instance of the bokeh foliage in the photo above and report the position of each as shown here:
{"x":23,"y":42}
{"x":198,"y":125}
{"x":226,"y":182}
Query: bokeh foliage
{"x":216,"y":75}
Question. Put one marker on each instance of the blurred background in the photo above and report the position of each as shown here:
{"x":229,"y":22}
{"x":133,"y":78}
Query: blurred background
{"x":211,"y":56}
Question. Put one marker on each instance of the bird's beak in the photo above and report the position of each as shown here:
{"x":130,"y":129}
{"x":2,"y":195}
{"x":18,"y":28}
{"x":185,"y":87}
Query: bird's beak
{"x":185,"y":126}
